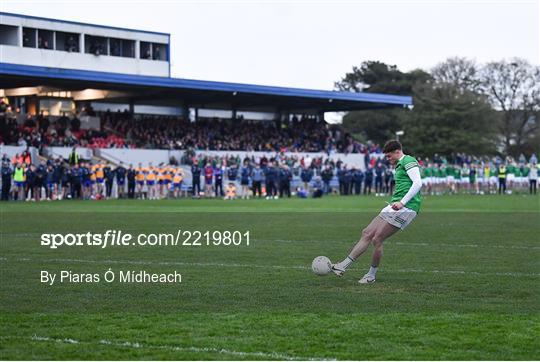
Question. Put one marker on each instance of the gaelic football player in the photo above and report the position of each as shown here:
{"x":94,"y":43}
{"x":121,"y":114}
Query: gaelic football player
{"x":405,"y":205}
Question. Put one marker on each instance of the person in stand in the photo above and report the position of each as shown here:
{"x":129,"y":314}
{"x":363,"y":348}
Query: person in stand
{"x":257,"y":177}
{"x":30,"y":192}
{"x":368,"y":180}
{"x":140,"y":176}
{"x":285,"y":177}
{"x":208,"y":176}
{"x":131,"y":179}
{"x":270,"y":177}
{"x":306,"y":176}
{"x":76,"y":182}
{"x":326,"y":176}
{"x":7,"y":173}
{"x":341,"y":179}
{"x":86,"y":181}
{"x":19,"y":179}
{"x":533,"y":178}
{"x":49,"y":182}
{"x":120,"y":173}
{"x":388,"y":181}
{"x":109,"y":179}
{"x":41,"y":178}
{"x":502,"y":178}
{"x":245,"y":175}
{"x":379,"y":172}
{"x":196,"y":179}
{"x":358,"y":178}
{"x":347,"y":180}
{"x":230,"y":191}
{"x":177,"y":182}
{"x":73,"y":158}
{"x":218,"y":181}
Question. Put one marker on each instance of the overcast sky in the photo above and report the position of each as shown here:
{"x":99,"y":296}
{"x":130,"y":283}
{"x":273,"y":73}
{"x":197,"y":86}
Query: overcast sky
{"x":311,"y":44}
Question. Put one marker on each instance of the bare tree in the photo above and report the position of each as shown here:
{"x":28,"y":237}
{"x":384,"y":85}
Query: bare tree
{"x":460,"y":72}
{"x":513,"y":88}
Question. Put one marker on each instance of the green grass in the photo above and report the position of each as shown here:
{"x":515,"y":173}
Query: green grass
{"x":462,"y":282}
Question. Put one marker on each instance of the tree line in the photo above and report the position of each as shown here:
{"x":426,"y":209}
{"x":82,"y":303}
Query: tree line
{"x":459,"y":106}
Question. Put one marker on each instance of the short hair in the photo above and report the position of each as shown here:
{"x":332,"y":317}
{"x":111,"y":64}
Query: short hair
{"x":392,"y":146}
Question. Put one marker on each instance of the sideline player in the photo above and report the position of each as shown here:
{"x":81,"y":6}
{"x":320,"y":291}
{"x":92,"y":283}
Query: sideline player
{"x":405,"y":205}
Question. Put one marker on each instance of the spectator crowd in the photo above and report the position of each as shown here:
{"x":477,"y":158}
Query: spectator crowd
{"x":229,"y":176}
{"x":124,"y":130}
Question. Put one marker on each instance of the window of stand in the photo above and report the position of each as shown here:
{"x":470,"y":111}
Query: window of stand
{"x":146,"y":50}
{"x":68,"y":42}
{"x":159,"y":51}
{"x":45,"y":39}
{"x":97,"y":45}
{"x":9,"y":35}
{"x":122,"y":47}
{"x":29,"y":37}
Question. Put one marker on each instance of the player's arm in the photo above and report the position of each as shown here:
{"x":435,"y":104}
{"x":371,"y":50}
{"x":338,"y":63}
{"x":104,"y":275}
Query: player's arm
{"x":414,"y":174}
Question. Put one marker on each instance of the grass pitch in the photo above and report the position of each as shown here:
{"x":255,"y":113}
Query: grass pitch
{"x":462,"y":282}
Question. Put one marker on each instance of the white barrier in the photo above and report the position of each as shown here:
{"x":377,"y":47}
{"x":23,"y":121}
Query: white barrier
{"x":55,"y":152}
{"x":145,"y":157}
{"x":136,"y":156}
{"x":11,"y":151}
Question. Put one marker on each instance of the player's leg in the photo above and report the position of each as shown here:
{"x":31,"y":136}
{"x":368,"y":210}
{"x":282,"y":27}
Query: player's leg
{"x":360,"y":247}
{"x":383,"y":232}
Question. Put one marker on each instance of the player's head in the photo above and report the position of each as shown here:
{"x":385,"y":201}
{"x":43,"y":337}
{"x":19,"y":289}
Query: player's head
{"x":393,"y":151}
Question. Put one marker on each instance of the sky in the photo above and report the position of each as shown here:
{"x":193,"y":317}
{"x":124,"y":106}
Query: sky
{"x":312,"y":44}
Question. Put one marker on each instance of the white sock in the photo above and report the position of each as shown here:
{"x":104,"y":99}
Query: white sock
{"x":372,"y":271}
{"x":347,"y":262}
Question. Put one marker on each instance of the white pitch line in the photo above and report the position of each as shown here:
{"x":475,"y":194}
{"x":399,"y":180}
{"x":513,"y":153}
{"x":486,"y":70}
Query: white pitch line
{"x":137,"y":345}
{"x":402,"y":243}
{"x":520,"y":247}
{"x":296,"y":267}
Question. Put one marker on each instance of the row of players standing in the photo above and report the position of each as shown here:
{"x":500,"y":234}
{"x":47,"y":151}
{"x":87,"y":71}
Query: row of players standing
{"x":56,"y":180}
{"x":274,"y":178}
{"x":355,"y":181}
{"x":486,"y":178}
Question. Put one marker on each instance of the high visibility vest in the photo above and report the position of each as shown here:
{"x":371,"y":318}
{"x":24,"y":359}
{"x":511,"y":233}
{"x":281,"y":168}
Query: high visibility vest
{"x":502,"y":172}
{"x":19,"y":174}
{"x":73,"y":158}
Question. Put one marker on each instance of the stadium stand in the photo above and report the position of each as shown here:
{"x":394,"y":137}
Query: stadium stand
{"x":123,"y":130}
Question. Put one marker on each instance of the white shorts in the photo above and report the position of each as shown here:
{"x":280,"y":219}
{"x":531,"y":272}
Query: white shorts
{"x":511,"y":177}
{"x":493,"y":180}
{"x":398,"y":218}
